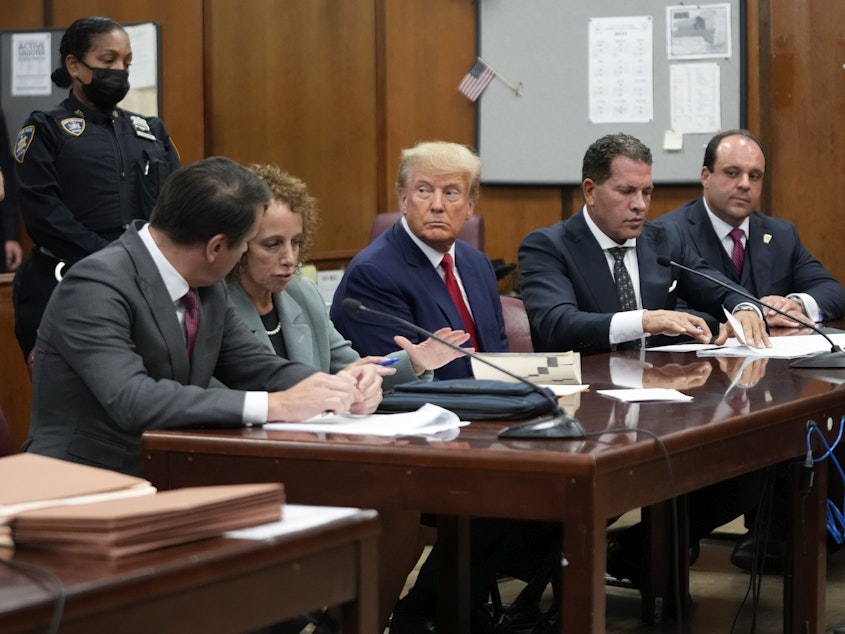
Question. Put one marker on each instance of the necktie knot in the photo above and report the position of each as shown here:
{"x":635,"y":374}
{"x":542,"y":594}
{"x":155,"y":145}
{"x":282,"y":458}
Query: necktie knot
{"x":618,"y":253}
{"x":191,"y":302}
{"x":447,"y":263}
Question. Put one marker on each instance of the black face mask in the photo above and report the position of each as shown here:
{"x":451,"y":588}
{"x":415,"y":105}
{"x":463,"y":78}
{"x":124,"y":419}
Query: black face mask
{"x":108,"y":86}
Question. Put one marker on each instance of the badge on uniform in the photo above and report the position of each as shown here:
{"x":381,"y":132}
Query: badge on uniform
{"x":25,"y":137}
{"x":74,"y":126}
{"x":142,"y":128}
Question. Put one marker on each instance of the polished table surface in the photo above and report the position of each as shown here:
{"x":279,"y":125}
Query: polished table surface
{"x":581,"y":482}
{"x":214,"y":585}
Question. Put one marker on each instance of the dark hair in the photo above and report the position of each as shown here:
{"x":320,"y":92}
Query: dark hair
{"x":77,"y":42}
{"x":212,"y":196}
{"x":601,"y":153}
{"x":713,"y":145}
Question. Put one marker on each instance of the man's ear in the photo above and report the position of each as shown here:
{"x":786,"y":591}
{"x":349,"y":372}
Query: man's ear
{"x":215,"y":246}
{"x":588,"y":187}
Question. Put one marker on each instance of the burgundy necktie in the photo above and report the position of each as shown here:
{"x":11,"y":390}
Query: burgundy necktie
{"x":457,"y":298}
{"x":738,"y":255}
{"x":191,"y":302}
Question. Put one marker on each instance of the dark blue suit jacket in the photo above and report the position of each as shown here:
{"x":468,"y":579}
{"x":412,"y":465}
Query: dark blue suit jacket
{"x":393,"y":275}
{"x":776,"y":262}
{"x":570,"y":294}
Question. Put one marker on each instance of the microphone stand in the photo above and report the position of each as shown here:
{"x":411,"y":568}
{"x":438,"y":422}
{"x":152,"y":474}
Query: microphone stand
{"x":558,"y":425}
{"x":834,"y":358}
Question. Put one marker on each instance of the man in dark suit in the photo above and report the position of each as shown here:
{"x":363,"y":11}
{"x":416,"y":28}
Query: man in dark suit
{"x":566,"y":270}
{"x":775,"y":266}
{"x":112,"y":358}
{"x":401,"y":272}
{"x":570,"y":278}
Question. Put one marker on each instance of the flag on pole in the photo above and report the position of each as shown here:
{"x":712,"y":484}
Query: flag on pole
{"x":476,"y":80}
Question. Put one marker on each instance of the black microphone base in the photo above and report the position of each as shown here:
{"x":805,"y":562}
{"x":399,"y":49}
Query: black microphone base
{"x":558,"y":425}
{"x":832,"y":359}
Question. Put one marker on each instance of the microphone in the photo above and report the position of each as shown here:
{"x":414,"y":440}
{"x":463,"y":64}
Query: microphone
{"x":558,"y":425}
{"x":834,"y":358}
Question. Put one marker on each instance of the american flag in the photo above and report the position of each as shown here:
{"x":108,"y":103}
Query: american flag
{"x":476,"y":80}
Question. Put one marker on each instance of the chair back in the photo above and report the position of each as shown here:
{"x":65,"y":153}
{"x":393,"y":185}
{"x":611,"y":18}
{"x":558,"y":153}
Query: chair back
{"x":472,"y":231}
{"x":7,"y":444}
{"x":516,"y":324}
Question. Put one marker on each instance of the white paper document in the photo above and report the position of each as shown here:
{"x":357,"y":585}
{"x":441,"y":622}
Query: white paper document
{"x":790,"y":347}
{"x":428,"y":419}
{"x":295,"y":518}
{"x":639,"y":395}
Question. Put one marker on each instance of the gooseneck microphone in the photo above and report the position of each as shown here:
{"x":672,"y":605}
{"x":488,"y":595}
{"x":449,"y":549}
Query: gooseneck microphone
{"x":834,"y":358}
{"x":558,"y":425}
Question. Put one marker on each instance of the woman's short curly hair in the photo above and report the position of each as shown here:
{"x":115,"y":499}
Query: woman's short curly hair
{"x":293,"y":192}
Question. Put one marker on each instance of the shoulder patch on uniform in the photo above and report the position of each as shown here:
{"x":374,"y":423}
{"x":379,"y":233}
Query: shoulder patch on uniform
{"x":25,"y":137}
{"x":74,"y":125}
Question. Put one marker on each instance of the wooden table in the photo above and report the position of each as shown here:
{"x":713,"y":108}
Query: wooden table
{"x":216,"y":585}
{"x":581,"y":482}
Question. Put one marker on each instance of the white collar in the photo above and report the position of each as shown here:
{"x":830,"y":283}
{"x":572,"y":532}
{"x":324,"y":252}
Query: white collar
{"x":176,"y":285}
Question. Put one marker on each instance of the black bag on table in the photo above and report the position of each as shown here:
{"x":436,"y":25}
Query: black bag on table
{"x":471,"y":399}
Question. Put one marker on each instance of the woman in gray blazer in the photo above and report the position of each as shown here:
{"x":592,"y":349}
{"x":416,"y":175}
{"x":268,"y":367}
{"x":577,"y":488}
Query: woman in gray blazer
{"x":288,"y":313}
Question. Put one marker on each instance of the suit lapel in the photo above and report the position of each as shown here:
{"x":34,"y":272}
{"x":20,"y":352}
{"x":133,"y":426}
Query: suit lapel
{"x":243,"y":304}
{"x":162,"y":309}
{"x":590,"y":262}
{"x":758,"y":255}
{"x":298,"y":334}
{"x":429,"y":276}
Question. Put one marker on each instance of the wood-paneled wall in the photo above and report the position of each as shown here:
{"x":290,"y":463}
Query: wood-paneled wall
{"x":332,"y":91}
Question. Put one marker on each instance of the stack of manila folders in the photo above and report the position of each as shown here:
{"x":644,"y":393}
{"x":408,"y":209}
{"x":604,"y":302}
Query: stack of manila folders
{"x":61,"y":506}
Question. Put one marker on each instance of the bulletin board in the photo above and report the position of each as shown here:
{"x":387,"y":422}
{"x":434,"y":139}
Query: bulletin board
{"x":553,"y":52}
{"x":27,"y":57}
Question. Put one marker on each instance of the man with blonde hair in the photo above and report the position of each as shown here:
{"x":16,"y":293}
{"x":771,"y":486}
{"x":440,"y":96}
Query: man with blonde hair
{"x":419,"y":270}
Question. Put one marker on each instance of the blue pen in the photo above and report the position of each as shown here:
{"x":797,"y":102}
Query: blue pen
{"x":389,"y":361}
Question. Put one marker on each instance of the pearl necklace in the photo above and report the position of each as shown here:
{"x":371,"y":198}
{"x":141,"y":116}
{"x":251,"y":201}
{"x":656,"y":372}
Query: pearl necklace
{"x":275,"y":330}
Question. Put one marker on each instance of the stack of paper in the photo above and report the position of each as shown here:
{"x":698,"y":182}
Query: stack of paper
{"x":30,"y":481}
{"x":536,"y":367}
{"x":116,"y":528}
{"x":59,"y":505}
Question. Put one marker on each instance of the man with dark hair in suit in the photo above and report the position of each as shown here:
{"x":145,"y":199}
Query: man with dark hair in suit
{"x":133,"y":334}
{"x":775,"y":265}
{"x":592,"y":283}
{"x":766,"y":256}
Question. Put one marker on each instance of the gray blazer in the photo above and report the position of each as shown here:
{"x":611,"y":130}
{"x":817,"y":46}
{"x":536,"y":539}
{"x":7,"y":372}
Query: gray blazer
{"x":111,"y":361}
{"x":309,"y":335}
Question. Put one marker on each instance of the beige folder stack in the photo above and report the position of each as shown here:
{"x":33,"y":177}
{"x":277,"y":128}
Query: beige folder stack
{"x":61,"y":506}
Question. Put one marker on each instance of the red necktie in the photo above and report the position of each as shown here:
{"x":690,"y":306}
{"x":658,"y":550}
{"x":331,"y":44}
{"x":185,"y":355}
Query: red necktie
{"x":191,"y":302}
{"x":738,"y":255}
{"x":457,"y":298}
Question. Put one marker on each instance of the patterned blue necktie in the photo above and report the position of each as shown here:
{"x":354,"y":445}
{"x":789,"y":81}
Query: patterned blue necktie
{"x":624,"y":287}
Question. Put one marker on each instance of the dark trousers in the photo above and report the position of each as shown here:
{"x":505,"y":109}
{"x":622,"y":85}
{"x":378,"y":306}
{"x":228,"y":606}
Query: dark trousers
{"x":709,"y":508}
{"x":34,"y":282}
{"x":510,"y":547}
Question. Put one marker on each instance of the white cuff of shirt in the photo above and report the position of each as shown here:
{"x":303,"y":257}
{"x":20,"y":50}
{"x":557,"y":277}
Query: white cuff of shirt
{"x":627,"y":326}
{"x":256,"y":408}
{"x":811,"y":306}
